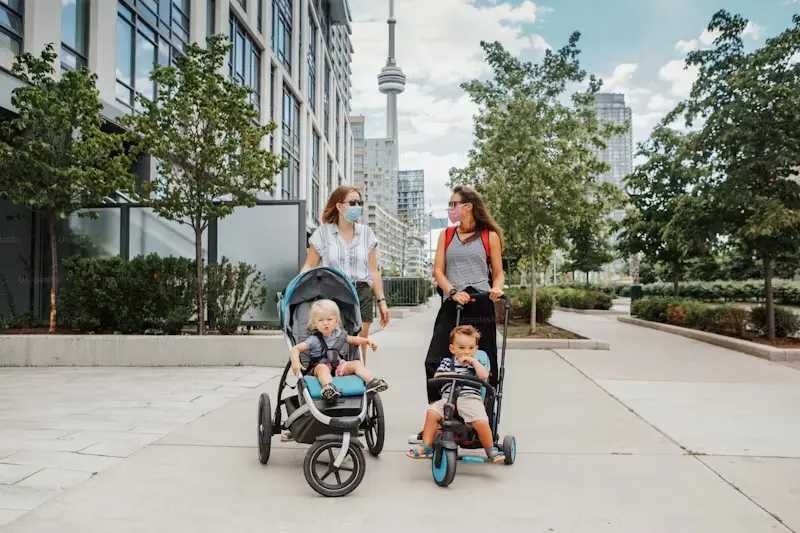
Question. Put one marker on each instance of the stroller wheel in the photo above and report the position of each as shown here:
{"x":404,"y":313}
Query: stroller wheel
{"x":374,"y":426}
{"x":443,"y":465}
{"x":510,"y":449}
{"x":264,"y":428}
{"x":327,"y":479}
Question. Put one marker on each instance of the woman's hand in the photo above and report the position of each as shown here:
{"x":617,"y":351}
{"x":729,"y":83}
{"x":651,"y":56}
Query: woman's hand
{"x":462,"y":297}
{"x":383,"y":309}
{"x":495,"y":294}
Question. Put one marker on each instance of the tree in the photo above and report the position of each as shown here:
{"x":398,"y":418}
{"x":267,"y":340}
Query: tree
{"x":751,"y":139}
{"x":532,"y":156}
{"x":666,"y":220}
{"x":202,"y":128}
{"x":55,"y":159}
{"x":590,"y":248}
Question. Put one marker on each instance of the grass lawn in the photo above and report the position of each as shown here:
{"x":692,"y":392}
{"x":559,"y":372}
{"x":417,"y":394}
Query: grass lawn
{"x":519,"y":329}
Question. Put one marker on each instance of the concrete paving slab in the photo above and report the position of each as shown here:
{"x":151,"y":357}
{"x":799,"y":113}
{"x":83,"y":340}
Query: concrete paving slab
{"x":10,"y":474}
{"x":24,"y":498}
{"x":212,"y":489}
{"x":69,"y":461}
{"x":719,"y":418}
{"x":774,"y":484}
{"x":54,"y":479}
{"x":9,"y":515}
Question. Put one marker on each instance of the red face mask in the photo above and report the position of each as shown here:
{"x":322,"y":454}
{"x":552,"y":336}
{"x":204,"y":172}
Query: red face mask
{"x":454,"y":213}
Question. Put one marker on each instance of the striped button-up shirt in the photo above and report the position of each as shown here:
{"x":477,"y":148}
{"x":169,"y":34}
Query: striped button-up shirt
{"x":351,"y":258}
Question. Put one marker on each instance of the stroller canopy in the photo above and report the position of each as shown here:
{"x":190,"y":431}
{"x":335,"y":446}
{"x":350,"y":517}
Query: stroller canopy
{"x":317,"y":284}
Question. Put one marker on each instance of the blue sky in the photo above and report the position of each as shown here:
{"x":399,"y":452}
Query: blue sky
{"x":636,"y":46}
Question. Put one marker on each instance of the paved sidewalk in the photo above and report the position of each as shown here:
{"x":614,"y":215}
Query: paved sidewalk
{"x":588,"y":461}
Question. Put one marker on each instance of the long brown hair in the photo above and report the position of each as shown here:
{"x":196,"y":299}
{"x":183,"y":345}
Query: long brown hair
{"x":483,"y":220}
{"x":331,"y":214}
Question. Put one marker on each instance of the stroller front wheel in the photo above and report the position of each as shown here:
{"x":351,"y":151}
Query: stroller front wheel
{"x":325,"y":477}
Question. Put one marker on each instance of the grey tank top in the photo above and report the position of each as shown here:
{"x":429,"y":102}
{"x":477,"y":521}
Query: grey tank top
{"x":466,"y":264}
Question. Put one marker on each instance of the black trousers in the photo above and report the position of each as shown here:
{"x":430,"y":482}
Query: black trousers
{"x":481,"y":315}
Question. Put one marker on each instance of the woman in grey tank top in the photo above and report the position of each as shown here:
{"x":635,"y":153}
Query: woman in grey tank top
{"x":462,"y":272}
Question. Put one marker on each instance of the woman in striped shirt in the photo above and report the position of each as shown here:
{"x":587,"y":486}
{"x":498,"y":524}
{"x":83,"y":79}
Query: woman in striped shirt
{"x":351,"y":248}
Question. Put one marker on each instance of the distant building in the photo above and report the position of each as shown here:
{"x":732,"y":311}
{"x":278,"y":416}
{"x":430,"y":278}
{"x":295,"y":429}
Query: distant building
{"x":619,"y":152}
{"x":390,"y":233}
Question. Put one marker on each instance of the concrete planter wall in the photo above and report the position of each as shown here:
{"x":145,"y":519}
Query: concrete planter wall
{"x":750,"y":348}
{"x":143,"y":350}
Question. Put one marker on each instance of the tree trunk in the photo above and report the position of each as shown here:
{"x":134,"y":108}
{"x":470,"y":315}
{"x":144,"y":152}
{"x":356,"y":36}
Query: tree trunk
{"x":198,"y":249}
{"x":587,"y":279}
{"x":770,"y":297}
{"x":533,"y":290}
{"x":51,"y":225}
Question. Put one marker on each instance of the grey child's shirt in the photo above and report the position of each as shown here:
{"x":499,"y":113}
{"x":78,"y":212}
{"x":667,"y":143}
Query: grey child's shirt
{"x":316,"y":353}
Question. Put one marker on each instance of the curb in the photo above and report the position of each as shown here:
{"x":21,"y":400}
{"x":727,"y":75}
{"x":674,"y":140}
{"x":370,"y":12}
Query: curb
{"x":555,"y":344}
{"x":750,"y":348}
{"x":611,"y":312}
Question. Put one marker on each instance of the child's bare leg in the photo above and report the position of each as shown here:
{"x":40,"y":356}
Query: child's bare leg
{"x":358,"y":368}
{"x":484,"y":432}
{"x":323,"y":374}
{"x":432,"y":421}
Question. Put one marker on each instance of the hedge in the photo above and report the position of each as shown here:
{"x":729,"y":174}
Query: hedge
{"x":787,"y":292}
{"x":724,"y":320}
{"x":581,"y":298}
{"x":521,"y":305}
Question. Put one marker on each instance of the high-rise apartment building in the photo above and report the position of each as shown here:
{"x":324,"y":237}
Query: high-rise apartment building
{"x":411,"y":211}
{"x":295,"y":54}
{"x":610,"y":107}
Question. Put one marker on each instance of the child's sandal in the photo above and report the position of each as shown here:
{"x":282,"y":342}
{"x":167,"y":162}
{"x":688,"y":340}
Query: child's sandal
{"x":495,"y":456}
{"x":415,"y":453}
{"x":329,"y":393}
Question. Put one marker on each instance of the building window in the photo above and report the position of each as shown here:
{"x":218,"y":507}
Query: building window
{"x":329,"y":182}
{"x":243,"y":3}
{"x":139,"y":47}
{"x":211,"y":17}
{"x":326,"y":100}
{"x":244,"y":61}
{"x":315,"y":177}
{"x":282,"y":31}
{"x":290,"y":128}
{"x":312,"y":65}
{"x":259,"y":15}
{"x":11,"y":26}
{"x":337,"y":128}
{"x":74,"y":34}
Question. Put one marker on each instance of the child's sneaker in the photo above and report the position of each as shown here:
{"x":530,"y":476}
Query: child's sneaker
{"x":376,"y":385}
{"x":330,"y":394}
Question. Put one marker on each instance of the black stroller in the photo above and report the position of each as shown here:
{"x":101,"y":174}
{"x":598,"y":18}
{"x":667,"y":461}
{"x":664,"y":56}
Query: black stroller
{"x":334,"y":464}
{"x":454,"y":433}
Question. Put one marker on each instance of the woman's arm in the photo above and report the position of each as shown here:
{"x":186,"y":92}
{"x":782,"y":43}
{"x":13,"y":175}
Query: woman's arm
{"x":312,"y":259}
{"x":439,"y":266}
{"x":496,"y":258}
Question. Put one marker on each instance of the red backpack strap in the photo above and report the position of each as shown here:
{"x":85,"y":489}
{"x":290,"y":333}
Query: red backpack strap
{"x":450,"y":232}
{"x":486,"y":245}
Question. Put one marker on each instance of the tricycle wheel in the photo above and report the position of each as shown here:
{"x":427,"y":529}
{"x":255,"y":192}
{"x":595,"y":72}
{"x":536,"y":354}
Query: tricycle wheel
{"x":319,"y":467}
{"x":374,"y":426}
{"x":264,"y":428}
{"x":510,"y":449}
{"x":443,"y":465}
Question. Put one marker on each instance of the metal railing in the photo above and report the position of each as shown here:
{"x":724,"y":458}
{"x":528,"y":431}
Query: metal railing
{"x":407,"y":292}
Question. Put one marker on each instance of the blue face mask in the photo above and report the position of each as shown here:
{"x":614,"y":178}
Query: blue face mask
{"x":353,"y":212}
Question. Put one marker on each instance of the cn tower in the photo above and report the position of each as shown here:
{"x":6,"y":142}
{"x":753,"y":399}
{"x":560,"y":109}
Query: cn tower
{"x":391,"y":80}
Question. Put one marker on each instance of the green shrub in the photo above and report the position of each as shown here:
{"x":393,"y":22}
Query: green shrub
{"x":147,"y":293}
{"x":786,"y":292}
{"x":230,"y":295}
{"x":574,"y":298}
{"x":521,"y":305}
{"x":724,"y":320}
{"x":787,"y":323}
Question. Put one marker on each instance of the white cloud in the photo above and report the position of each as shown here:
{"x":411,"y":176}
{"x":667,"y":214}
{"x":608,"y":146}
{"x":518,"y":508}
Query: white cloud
{"x":752,"y":30}
{"x":679,"y":77}
{"x":437,"y":52}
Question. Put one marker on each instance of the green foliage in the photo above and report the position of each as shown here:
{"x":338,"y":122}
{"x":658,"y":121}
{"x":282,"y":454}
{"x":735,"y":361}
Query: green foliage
{"x":572,"y":298}
{"x":750,"y":139}
{"x":405,"y":292}
{"x":785,"y":291}
{"x":521,"y":306}
{"x":787,"y":322}
{"x":722,"y":320}
{"x":148,"y":294}
{"x":203,"y":130}
{"x":532,"y":156}
{"x":231,"y":293}
{"x":665,"y":220}
{"x":54,"y":157}
{"x":589,"y":238}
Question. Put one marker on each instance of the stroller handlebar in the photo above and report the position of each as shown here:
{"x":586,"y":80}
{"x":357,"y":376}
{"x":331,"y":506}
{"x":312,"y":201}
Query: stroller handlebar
{"x":505,"y":297}
{"x":442,"y":380}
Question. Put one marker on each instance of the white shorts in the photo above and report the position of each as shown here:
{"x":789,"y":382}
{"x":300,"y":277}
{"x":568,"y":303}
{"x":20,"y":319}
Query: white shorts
{"x":470,"y":407}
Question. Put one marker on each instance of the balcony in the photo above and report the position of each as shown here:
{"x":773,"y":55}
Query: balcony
{"x":340,"y":14}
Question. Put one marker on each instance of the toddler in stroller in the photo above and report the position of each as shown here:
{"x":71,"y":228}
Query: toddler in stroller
{"x":313,"y":358}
